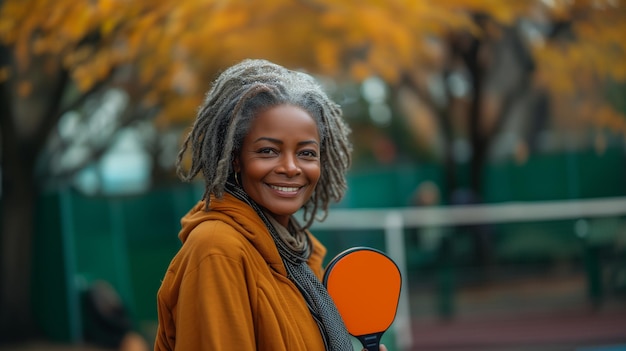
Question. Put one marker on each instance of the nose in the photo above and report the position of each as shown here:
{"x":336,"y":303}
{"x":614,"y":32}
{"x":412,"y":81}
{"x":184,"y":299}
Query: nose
{"x":289,"y":166}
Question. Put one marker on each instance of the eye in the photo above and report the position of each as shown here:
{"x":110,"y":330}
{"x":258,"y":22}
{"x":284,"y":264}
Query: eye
{"x":267,"y":151}
{"x":312,"y":154}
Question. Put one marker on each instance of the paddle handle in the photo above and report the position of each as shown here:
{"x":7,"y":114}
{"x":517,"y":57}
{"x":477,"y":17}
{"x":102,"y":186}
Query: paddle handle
{"x":370,"y":342}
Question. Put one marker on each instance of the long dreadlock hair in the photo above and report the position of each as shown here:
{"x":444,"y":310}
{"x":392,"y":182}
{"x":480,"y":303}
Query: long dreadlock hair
{"x":224,"y":119}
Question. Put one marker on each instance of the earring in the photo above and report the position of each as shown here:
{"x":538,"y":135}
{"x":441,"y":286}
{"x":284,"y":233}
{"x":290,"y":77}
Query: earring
{"x":237,"y":179}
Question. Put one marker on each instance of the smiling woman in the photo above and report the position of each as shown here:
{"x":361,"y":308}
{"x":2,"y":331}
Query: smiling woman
{"x":268,"y":142}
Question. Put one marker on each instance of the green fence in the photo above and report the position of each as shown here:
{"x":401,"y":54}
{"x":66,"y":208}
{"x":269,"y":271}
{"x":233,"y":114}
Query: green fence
{"x":126,"y":241}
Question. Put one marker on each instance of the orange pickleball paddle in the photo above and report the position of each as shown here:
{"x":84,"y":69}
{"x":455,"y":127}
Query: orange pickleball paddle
{"x":365,"y":285}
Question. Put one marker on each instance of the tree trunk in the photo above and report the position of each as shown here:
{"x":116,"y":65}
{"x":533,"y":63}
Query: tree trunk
{"x":17,"y":216}
{"x":477,"y":139}
{"x":17,"y":222}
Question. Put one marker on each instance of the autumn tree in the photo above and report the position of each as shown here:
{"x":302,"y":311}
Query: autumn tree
{"x":57,"y":56}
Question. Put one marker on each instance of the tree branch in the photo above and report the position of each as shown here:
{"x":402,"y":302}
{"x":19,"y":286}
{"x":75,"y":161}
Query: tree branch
{"x":7,"y":125}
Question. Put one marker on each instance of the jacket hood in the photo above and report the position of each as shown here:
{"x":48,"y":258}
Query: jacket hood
{"x":227,"y":209}
{"x":247,"y":222}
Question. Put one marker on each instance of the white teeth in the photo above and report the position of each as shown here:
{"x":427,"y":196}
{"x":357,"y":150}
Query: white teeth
{"x":284,"y":188}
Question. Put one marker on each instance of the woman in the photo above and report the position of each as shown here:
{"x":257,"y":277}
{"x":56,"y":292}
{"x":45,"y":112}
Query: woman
{"x":268,"y":142}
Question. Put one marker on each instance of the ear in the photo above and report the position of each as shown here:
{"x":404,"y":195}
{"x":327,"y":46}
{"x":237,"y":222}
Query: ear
{"x":236,"y":165}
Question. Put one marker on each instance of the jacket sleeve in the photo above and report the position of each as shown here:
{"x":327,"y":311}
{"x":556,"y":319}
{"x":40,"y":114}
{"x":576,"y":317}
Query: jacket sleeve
{"x":214,"y":307}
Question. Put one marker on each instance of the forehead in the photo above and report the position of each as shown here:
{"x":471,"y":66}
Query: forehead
{"x":285,"y":121}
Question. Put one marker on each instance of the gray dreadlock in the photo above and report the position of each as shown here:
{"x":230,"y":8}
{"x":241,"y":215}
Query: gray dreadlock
{"x":225,"y":117}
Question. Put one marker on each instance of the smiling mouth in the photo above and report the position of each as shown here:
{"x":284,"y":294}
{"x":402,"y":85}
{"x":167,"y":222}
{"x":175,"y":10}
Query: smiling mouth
{"x":287,"y":189}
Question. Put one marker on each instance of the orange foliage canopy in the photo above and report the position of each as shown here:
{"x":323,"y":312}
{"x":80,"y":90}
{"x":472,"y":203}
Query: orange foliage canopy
{"x":165,"y":52}
{"x":576,"y":70}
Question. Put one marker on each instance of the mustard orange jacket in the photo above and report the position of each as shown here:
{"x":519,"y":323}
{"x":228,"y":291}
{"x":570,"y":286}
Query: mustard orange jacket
{"x":227,"y":288}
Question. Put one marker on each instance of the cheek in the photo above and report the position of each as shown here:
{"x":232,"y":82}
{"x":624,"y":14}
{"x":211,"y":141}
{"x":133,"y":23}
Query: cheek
{"x":255,"y":170}
{"x":314,"y":173}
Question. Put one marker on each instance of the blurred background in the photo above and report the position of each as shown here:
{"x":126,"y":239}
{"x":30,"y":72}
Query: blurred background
{"x":489,"y":162}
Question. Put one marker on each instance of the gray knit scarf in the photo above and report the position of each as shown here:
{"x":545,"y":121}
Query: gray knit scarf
{"x":321,"y":305}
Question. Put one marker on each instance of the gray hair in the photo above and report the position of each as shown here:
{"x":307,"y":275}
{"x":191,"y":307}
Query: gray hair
{"x":224,"y":119}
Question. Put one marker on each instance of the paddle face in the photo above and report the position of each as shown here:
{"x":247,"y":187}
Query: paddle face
{"x":365,"y":285}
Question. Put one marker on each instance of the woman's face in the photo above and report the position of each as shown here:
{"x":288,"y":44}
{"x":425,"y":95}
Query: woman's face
{"x":279,"y":163}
